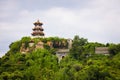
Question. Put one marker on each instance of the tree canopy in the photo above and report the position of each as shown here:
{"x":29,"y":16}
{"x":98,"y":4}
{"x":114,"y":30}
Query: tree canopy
{"x":81,"y":63}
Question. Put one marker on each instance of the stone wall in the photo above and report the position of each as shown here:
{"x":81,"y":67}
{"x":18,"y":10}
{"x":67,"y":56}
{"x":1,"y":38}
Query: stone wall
{"x":102,"y":50}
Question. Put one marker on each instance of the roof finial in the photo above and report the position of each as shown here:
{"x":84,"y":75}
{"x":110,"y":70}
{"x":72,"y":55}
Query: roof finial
{"x":38,"y":20}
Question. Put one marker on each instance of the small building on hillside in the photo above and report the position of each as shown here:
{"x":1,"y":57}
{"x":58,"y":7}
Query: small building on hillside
{"x":102,"y":50}
{"x":61,"y":53}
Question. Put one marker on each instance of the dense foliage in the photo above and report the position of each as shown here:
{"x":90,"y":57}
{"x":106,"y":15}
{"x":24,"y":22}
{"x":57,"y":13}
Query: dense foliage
{"x":42,"y":64}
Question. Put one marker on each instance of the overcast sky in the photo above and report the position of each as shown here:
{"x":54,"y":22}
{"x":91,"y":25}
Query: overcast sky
{"x":96,"y":20}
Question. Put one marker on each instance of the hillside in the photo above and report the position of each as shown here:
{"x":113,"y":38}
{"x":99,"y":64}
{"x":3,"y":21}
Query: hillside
{"x":35,"y":59}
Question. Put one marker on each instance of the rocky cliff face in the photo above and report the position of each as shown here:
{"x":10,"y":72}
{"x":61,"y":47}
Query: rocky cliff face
{"x":40,"y":43}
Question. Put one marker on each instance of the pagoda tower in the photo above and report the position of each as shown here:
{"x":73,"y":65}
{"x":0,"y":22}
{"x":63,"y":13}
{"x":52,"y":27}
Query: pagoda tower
{"x":38,"y":30}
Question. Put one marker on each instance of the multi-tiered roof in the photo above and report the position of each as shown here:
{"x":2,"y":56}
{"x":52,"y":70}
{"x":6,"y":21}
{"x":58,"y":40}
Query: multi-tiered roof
{"x":38,"y":30}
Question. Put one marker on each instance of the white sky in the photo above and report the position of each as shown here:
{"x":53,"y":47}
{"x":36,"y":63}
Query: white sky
{"x":96,"y":20}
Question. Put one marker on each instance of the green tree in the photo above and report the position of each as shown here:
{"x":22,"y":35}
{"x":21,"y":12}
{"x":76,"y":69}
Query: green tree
{"x":15,"y":47}
{"x":26,"y":40}
{"x":114,"y":49}
{"x":77,"y":47}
